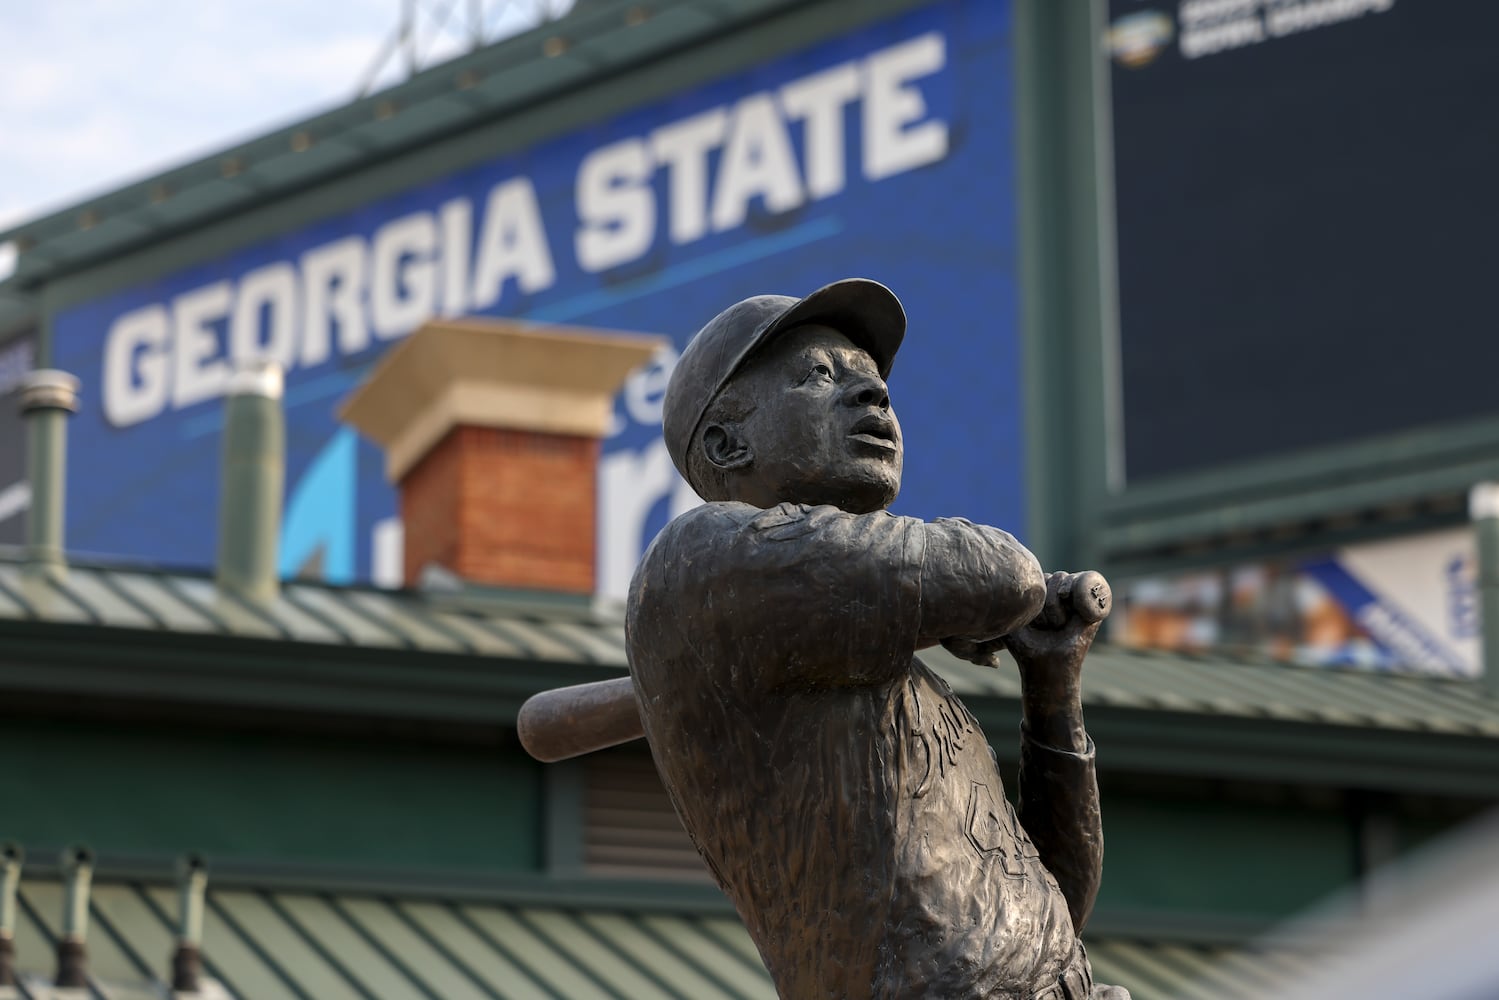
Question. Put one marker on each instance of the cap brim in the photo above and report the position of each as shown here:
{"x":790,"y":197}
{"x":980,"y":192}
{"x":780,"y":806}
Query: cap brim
{"x":864,"y":311}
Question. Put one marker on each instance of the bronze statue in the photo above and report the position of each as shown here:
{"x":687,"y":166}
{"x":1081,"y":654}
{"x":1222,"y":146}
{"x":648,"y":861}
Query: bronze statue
{"x":840,"y":793}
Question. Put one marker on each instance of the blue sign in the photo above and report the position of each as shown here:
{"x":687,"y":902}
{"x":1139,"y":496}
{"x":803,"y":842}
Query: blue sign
{"x":886,"y":153}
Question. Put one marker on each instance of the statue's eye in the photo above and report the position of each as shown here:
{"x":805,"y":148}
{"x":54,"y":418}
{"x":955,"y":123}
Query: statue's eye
{"x":822,"y":370}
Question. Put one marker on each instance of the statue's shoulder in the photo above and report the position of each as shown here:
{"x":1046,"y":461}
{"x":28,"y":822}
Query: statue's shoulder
{"x":717,"y":538}
{"x":723,"y":522}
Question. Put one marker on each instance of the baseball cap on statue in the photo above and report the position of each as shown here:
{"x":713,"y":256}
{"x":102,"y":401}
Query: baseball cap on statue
{"x":864,"y":311}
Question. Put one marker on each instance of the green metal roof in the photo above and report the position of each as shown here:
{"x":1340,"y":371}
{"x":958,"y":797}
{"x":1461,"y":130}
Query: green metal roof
{"x":569,"y":631}
{"x":269,"y":944}
{"x":1223,"y":684}
{"x":535,"y":628}
{"x":467,"y":657}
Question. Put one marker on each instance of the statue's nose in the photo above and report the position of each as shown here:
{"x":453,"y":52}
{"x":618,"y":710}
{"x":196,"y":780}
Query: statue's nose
{"x":869,"y":390}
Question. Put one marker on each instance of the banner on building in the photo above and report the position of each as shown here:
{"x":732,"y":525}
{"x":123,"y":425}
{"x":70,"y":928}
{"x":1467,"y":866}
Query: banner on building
{"x":1401,"y":604}
{"x":886,"y":153}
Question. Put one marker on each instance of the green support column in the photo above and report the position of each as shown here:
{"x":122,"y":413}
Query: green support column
{"x":48,"y":396}
{"x":254,"y":473}
{"x":1483,"y":507}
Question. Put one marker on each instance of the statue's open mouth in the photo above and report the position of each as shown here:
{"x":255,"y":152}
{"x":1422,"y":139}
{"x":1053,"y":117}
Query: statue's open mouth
{"x":876,"y":430}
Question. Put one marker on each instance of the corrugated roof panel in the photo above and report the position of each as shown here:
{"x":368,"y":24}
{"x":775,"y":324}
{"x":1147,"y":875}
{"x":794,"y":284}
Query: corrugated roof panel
{"x":548,"y":964}
{"x":269,"y":933}
{"x":732,"y":935}
{"x":385,"y":929}
{"x":234,"y":961}
{"x":264,"y":945}
{"x":346,"y":945}
{"x":357,"y":627}
{"x":603,"y":647}
{"x":483,"y":640}
{"x":473,"y":954}
{"x":536,"y":640}
{"x":1239,"y":685}
{"x":43,"y":599}
{"x":1205,"y":973}
{"x":106,"y":603}
{"x":625,"y":972}
{"x":1162,"y":975}
{"x":299,"y":624}
{"x":722,"y":961}
{"x":10,"y":607}
{"x":175,"y":612}
{"x":123,"y":961}
{"x":1362,"y":705}
{"x":232,"y":615}
{"x":149,"y":939}
{"x":35,"y":948}
{"x":396,"y":616}
{"x":105,"y":959}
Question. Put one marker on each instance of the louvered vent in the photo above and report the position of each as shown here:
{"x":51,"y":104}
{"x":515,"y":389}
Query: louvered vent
{"x":629,"y":825}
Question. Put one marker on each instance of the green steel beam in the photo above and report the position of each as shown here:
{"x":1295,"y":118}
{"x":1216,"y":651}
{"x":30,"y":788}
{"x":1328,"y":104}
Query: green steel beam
{"x":1063,"y":278}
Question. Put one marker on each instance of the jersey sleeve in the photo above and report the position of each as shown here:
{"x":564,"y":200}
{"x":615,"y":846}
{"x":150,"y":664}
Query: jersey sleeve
{"x":816,"y":596}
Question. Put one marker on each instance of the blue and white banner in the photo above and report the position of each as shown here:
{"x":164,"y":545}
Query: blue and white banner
{"x":1414,"y":600}
{"x":886,"y":153}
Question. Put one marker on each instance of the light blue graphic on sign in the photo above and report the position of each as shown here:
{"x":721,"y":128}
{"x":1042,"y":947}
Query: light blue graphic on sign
{"x":886,"y":153}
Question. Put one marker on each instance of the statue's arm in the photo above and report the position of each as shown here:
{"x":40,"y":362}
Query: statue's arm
{"x":833,"y":598}
{"x":977,"y":582}
{"x":1058,"y":784}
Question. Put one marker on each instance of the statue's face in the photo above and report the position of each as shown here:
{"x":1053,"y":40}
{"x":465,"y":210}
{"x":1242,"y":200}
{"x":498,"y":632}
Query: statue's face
{"x":823,"y":431}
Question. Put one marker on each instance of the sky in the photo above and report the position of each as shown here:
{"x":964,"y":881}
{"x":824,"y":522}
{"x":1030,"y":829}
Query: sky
{"x":95,"y":94}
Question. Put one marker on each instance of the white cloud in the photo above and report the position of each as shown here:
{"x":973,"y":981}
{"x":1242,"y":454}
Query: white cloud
{"x":97,"y":93}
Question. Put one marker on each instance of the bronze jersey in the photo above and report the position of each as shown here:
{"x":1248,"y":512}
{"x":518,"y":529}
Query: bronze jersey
{"x":843,"y":796}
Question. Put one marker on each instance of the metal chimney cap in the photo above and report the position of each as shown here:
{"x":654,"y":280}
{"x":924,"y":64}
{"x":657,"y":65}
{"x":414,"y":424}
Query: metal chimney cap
{"x":49,"y":389}
{"x":257,"y":377}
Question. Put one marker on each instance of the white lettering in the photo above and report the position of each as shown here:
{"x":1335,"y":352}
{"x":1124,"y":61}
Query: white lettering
{"x":819,"y":100}
{"x":135,"y":366}
{"x":683,"y":147}
{"x":631,"y":484}
{"x":896,"y":138}
{"x":616,"y":205}
{"x":757,"y":162}
{"x":645,"y":390}
{"x":403,"y":275}
{"x":512,"y":244}
{"x":459,"y":257}
{"x":199,"y":369}
{"x":269,"y":292}
{"x":332,"y":291}
{"x":1229,"y":35}
{"x":387,"y":553}
{"x":457,"y":219}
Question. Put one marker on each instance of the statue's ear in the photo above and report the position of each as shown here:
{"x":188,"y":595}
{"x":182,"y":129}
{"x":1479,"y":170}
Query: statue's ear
{"x":725,"y":448}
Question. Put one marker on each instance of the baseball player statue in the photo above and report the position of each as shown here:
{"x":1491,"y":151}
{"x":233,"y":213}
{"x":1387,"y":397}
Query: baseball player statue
{"x":839,"y":791}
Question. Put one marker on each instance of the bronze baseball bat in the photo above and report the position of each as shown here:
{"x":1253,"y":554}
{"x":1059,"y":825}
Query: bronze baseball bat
{"x":571,"y":721}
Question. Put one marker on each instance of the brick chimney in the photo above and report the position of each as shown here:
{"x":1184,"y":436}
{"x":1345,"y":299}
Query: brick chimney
{"x":491,"y":431}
